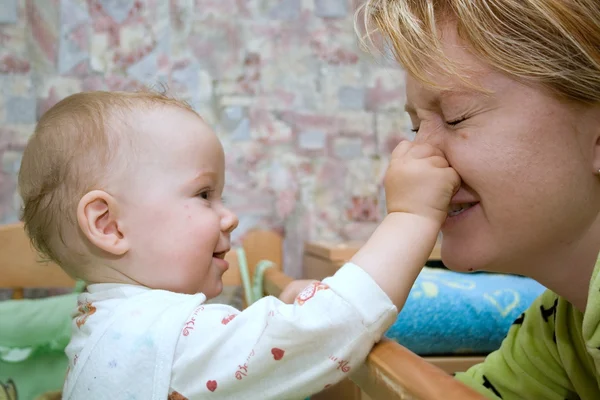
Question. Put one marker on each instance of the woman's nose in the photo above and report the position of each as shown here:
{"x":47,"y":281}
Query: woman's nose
{"x":429,"y":136}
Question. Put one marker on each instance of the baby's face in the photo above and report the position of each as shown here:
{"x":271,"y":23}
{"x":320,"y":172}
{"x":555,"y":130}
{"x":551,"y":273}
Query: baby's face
{"x":173,"y":214}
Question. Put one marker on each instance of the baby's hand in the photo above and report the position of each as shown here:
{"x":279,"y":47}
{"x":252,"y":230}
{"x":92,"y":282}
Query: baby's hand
{"x":293,"y":289}
{"x":420,"y":181}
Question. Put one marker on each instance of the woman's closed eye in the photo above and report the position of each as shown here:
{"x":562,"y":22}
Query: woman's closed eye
{"x":452,"y":123}
{"x":456,"y":121}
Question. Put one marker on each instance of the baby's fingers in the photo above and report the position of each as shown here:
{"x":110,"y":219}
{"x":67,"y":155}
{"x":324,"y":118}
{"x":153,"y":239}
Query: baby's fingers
{"x":402,"y":149}
{"x":424,"y":151}
{"x":438,"y":161}
{"x":454,"y":178}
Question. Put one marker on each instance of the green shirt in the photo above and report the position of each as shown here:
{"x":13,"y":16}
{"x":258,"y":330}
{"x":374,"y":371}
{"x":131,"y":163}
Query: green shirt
{"x":551,"y":352}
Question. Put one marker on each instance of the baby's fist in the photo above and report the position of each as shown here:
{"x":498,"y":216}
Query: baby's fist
{"x":293,"y":289}
{"x":420,"y":181}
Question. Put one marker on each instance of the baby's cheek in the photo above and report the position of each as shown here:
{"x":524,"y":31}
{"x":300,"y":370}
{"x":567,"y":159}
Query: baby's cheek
{"x":154,"y":217}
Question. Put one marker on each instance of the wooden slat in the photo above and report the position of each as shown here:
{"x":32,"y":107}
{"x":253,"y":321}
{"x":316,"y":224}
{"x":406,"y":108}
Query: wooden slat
{"x":262,"y":245}
{"x":232,"y":276}
{"x":20,"y":265}
{"x":275,"y":281}
{"x":339,"y":253}
{"x":455,"y":363}
{"x":392,"y":372}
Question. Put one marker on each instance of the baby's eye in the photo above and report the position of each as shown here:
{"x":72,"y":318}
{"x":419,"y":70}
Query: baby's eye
{"x":206,"y":194}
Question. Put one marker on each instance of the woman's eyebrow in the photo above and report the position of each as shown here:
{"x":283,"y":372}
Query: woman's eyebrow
{"x":464,"y":94}
{"x":440,"y":97}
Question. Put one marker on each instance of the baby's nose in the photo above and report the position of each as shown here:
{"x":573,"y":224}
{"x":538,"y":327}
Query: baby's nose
{"x":229,"y":221}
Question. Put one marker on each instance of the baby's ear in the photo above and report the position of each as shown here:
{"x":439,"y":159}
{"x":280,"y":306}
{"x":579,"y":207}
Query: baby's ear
{"x":98,"y":219}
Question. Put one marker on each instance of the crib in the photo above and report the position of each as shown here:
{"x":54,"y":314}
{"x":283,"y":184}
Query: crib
{"x":391,"y":371}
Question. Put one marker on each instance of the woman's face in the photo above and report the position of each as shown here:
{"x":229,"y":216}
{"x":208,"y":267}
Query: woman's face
{"x":526,"y":160}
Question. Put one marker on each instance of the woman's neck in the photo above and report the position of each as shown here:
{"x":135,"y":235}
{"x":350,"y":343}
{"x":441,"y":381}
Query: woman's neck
{"x":567,"y":270}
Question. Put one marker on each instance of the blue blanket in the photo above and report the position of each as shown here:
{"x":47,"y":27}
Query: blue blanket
{"x":456,"y":313}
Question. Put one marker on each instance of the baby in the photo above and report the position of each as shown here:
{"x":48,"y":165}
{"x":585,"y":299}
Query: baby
{"x":123,"y":191}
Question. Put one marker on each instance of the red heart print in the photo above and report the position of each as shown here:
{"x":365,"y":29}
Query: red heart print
{"x":277,"y":353}
{"x":211,"y":385}
{"x":227,"y":319}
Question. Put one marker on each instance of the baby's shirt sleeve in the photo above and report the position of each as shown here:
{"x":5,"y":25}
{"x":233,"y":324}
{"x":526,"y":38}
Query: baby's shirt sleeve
{"x":273,"y":350}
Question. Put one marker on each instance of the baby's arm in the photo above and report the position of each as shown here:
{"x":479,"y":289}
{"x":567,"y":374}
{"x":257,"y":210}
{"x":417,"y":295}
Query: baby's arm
{"x":388,"y":244}
{"x":288,"y":295}
{"x":419,"y":185}
{"x":276,"y":351}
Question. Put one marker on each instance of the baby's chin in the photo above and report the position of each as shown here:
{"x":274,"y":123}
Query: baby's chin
{"x":212,"y":291}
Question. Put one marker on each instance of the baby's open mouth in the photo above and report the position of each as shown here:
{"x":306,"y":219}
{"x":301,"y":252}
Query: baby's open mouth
{"x":455,"y":209}
{"x":220,"y":255}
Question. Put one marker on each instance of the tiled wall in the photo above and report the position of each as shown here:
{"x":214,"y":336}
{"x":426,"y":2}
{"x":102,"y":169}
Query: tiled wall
{"x":307,"y":119}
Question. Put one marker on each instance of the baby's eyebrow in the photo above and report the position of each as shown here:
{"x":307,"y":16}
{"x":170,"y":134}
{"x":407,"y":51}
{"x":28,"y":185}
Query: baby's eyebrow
{"x":203,"y":174}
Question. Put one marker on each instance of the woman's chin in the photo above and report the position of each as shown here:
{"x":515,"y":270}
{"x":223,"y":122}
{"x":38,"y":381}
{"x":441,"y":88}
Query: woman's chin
{"x":464,"y":256}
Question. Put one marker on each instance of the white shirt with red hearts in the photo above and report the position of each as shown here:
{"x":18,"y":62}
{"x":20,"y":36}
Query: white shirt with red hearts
{"x":130,"y":342}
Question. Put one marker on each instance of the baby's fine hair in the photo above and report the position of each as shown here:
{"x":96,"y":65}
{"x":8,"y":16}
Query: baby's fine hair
{"x":555,"y":43}
{"x":77,"y":145}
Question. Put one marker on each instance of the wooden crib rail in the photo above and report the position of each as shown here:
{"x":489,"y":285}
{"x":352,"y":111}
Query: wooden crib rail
{"x":392,"y":372}
{"x":275,"y":281}
{"x":20,"y":266}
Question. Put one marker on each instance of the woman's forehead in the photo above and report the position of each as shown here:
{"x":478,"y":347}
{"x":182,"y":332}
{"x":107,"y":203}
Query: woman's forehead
{"x":434,"y":97}
{"x":460,"y":69}
{"x":453,"y":90}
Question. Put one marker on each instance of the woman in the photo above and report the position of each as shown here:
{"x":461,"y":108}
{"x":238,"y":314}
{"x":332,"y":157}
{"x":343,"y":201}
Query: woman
{"x":509,"y":90}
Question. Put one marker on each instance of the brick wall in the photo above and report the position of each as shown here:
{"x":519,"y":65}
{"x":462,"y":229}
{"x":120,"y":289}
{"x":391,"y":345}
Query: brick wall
{"x":306,"y":117}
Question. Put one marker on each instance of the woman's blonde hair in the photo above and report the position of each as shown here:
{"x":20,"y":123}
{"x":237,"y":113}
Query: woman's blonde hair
{"x":555,"y":43}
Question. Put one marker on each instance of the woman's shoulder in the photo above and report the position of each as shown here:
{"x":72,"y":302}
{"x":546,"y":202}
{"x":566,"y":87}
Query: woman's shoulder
{"x":538,"y":341}
{"x":549,"y":310}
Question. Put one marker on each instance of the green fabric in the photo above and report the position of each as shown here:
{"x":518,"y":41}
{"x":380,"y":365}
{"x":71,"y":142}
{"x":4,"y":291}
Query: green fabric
{"x":245,"y":275}
{"x":259,"y":274}
{"x":551,"y":352}
{"x":33,"y":337}
{"x":253,"y":288}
